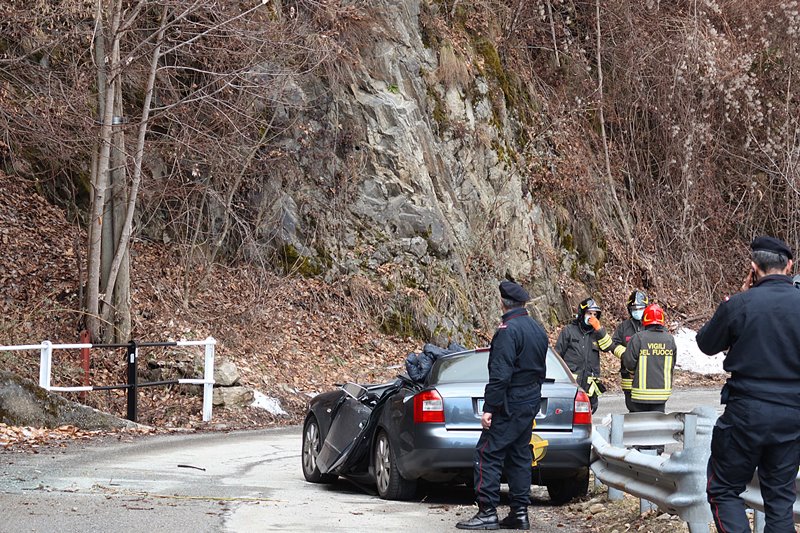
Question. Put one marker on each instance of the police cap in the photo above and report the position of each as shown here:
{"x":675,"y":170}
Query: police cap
{"x":512,"y":291}
{"x":771,"y":244}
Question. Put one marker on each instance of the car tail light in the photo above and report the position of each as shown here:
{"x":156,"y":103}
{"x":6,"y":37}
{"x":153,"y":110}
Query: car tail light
{"x":583,"y":409}
{"x":428,"y":407}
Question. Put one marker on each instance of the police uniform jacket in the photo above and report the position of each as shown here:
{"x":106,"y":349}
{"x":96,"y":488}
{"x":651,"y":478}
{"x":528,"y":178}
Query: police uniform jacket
{"x":650,"y":357}
{"x":516,"y":363}
{"x":580,"y":351}
{"x":622,"y":335}
{"x":760,"y":329}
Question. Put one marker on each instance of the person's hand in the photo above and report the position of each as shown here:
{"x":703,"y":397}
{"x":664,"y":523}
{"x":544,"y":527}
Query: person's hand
{"x":749,"y":280}
{"x":486,"y":420}
{"x":594,"y":323}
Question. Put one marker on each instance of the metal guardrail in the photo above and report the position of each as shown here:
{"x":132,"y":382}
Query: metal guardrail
{"x":675,"y":483}
{"x":753,"y":500}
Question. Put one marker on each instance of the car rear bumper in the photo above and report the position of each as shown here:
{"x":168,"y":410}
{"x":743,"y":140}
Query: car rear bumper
{"x":433,"y":448}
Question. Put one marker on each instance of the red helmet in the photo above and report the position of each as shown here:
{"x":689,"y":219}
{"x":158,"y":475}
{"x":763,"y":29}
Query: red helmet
{"x":653,"y":314}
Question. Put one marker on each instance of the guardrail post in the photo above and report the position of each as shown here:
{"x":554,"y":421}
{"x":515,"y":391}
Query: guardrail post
{"x":698,"y":527}
{"x":208,"y":377}
{"x":45,"y":362}
{"x":132,"y":355}
{"x":617,"y":430}
{"x":689,"y":430}
{"x":759,"y":521}
{"x":645,"y":505}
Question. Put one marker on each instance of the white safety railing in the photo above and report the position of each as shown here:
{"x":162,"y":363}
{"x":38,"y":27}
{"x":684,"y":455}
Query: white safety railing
{"x":46,"y":357}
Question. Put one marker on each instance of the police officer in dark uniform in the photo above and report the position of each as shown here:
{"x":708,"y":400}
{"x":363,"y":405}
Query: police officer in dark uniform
{"x":760,"y":329}
{"x":511,"y":401}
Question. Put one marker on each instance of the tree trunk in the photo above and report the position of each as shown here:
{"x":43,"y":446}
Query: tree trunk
{"x":100,"y":184}
{"x":118,"y":323}
{"x":611,"y":186}
{"x":120,"y":267}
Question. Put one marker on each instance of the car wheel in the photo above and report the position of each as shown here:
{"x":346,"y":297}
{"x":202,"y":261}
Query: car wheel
{"x":391,"y":485}
{"x":563,"y":490}
{"x":312,"y":442}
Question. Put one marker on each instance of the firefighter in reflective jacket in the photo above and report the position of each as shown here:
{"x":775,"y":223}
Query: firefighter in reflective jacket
{"x":636,"y":303}
{"x":579,"y":344}
{"x":650,"y":358}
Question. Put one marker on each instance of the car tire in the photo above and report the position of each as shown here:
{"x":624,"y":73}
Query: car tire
{"x":390,"y":483}
{"x":563,"y":490}
{"x":312,"y":442}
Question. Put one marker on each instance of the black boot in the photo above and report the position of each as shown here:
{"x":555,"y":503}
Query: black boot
{"x":483,"y":519}
{"x":516,"y":519}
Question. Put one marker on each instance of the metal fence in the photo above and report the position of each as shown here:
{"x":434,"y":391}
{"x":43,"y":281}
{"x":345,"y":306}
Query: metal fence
{"x":132,"y":356}
{"x":675,"y":483}
{"x":623,"y":460}
{"x":753,"y":500}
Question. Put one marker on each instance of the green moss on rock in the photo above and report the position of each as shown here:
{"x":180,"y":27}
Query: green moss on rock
{"x":292,"y":261}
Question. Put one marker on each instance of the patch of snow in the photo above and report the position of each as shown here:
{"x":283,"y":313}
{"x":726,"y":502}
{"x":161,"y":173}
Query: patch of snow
{"x":691,"y":358}
{"x":262,"y":401}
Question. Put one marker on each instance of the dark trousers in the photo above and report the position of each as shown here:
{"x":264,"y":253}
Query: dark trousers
{"x":505,"y":446}
{"x":594,"y":401}
{"x":627,"y":393}
{"x":749,"y":434}
{"x":639,"y":407}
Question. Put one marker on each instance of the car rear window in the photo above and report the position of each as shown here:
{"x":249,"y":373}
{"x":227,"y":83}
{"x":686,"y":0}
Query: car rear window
{"x":473,"y":366}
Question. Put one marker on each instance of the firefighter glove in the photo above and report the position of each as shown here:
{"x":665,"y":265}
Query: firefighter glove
{"x":596,"y":387}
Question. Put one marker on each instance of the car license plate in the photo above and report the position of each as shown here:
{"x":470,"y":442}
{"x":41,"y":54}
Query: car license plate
{"x":541,"y":414}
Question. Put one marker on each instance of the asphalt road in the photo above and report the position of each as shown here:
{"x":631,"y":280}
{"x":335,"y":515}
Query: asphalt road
{"x":244,"y":481}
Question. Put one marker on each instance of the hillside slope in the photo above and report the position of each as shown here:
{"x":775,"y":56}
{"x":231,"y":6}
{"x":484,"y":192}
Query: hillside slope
{"x":290,"y":337}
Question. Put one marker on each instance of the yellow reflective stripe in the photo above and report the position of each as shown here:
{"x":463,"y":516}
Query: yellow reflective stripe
{"x":657,"y":394}
{"x":651,"y":391}
{"x":642,"y":371}
{"x":627,"y":384}
{"x":605,"y":342}
{"x":619,"y":350}
{"x":668,"y":372}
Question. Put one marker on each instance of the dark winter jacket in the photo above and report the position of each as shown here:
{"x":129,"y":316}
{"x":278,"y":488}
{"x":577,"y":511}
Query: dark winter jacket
{"x":621,"y":338}
{"x":760,"y":329}
{"x":580,"y":351}
{"x":418,"y":365}
{"x":650,"y":357}
{"x":516,"y":363}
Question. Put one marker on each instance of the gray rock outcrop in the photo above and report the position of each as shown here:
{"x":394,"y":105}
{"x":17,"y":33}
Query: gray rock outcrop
{"x":226,"y":374}
{"x":24,"y":403}
{"x":231,"y":397}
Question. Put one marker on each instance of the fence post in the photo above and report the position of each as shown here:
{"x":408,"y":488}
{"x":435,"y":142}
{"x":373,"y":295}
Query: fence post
{"x":617,"y":430}
{"x":208,"y":377}
{"x":45,"y":362}
{"x":85,"y":339}
{"x":132,"y":353}
{"x":759,"y":521}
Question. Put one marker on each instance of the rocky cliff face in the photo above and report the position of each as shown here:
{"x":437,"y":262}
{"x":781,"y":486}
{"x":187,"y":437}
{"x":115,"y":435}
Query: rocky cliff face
{"x":424,"y":188}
